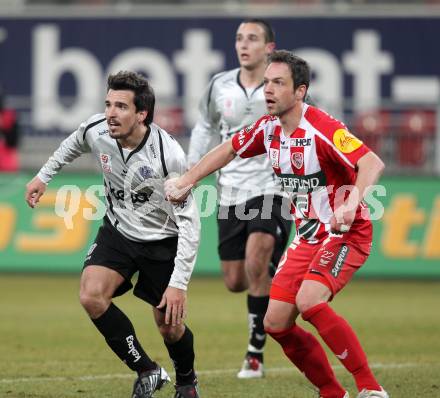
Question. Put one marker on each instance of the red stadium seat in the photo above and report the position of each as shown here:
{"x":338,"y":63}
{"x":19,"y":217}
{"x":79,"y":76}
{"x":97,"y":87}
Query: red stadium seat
{"x":371,"y":127}
{"x":170,"y":119}
{"x":416,"y":128}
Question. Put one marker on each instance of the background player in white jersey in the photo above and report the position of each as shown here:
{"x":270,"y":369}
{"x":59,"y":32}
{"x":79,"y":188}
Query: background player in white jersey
{"x":233,"y":100}
{"x":141,"y":232}
{"x":317,"y":160}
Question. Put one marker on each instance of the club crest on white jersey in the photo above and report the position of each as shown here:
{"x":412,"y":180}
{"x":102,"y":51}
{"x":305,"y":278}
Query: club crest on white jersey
{"x":106,"y":162}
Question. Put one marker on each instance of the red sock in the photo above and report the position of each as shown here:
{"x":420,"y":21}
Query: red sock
{"x":304,"y":350}
{"x":341,"y":339}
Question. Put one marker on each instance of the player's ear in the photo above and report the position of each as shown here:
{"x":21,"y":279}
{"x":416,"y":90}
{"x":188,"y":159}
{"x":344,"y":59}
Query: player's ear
{"x":270,"y":47}
{"x":141,"y":115}
{"x":300,"y":92}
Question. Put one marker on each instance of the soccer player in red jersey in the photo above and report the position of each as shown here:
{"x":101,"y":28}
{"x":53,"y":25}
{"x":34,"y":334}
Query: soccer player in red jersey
{"x":327,"y":172}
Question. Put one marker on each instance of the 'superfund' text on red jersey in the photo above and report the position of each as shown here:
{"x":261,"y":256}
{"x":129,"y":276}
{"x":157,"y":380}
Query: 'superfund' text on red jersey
{"x":315,"y":164}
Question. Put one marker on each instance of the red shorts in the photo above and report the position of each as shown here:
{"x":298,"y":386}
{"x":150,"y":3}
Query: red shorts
{"x":332,"y":262}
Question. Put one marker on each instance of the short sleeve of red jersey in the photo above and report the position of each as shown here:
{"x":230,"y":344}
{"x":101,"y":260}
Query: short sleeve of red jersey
{"x":249,"y":141}
{"x":336,"y":142}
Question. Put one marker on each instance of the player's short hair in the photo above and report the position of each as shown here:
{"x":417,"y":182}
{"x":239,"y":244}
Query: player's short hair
{"x":299,"y":68}
{"x":269,"y":34}
{"x":144,"y":98}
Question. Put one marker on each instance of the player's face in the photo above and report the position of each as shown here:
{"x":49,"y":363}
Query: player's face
{"x":120,"y":112}
{"x":278,"y":89}
{"x":251,"y":46}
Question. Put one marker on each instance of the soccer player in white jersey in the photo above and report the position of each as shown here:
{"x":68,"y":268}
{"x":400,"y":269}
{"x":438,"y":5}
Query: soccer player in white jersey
{"x":247,"y":245}
{"x":327,"y":172}
{"x":141,"y":231}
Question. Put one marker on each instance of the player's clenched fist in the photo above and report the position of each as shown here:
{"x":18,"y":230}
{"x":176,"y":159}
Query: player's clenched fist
{"x":176,"y":190}
{"x":34,"y":190}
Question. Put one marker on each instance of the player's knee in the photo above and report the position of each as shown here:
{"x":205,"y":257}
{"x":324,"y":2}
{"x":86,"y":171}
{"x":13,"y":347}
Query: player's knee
{"x":171,"y":334}
{"x":236,"y":287}
{"x":257,"y":271}
{"x":273,"y":322}
{"x":94,"y":304}
{"x":268,"y":323}
{"x":235,"y":284}
{"x":304,"y":302}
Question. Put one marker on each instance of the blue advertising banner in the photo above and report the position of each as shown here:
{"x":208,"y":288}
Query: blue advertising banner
{"x":364,"y":59}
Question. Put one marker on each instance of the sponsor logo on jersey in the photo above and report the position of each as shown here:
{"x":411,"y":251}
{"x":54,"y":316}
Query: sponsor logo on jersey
{"x":181,"y":205}
{"x":274,"y":155}
{"x":146,"y":172}
{"x":345,"y":141}
{"x":103,"y":132}
{"x":304,"y":184}
{"x":106,"y":162}
{"x":249,"y":110}
{"x":153,"y":151}
{"x":139,"y":197}
{"x":243,"y":132}
{"x":249,"y":128}
{"x":339,"y":261}
{"x":297,"y":159}
{"x":274,"y":138}
{"x":241,"y":137}
{"x":301,"y":142}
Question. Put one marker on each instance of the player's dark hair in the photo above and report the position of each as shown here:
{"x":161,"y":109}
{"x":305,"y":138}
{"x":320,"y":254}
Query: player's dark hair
{"x":144,"y":98}
{"x":299,"y":68}
{"x":269,"y":33}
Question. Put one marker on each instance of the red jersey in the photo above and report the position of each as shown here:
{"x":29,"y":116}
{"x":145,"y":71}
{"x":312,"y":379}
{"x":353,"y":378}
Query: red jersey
{"x":315,"y":165}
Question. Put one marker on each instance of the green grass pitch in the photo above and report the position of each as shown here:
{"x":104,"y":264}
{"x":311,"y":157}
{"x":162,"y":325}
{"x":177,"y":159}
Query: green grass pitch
{"x":49,"y":348}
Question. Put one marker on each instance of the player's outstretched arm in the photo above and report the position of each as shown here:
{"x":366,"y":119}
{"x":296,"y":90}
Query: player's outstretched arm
{"x":177,"y":189}
{"x":34,"y":190}
{"x":370,"y":168}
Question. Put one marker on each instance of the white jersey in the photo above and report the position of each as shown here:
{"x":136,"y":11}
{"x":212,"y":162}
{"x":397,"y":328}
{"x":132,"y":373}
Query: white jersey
{"x":134,"y":188}
{"x":225,"y":108}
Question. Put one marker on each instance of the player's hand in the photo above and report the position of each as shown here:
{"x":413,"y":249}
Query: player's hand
{"x":174,"y":300}
{"x":342,"y":219}
{"x":176,"y":191}
{"x":34,"y":190}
